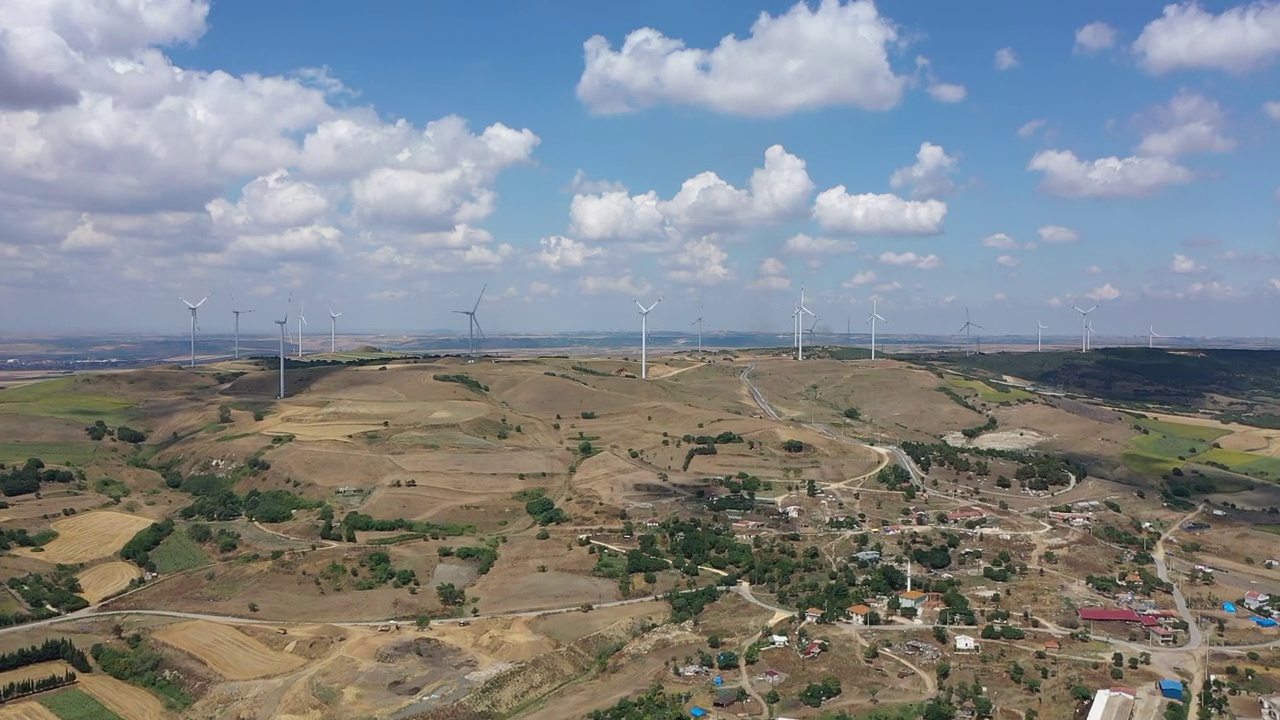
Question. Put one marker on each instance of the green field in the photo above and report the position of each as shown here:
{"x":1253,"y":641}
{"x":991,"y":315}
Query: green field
{"x":1193,"y":432}
{"x":1245,"y":463}
{"x":177,"y":553}
{"x":59,"y":398}
{"x":1147,"y":464}
{"x":77,"y":453}
{"x":8,"y":604}
{"x":988,"y":394}
{"x":77,"y":705}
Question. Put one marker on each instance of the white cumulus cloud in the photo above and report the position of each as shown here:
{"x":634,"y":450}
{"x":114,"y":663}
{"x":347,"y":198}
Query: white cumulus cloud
{"x":1031,"y":127}
{"x":1182,"y":264}
{"x":1106,"y":292}
{"x":1057,"y":235}
{"x":864,"y":277}
{"x":921,"y":262}
{"x":1188,"y":37}
{"x":558,"y":253}
{"x":698,"y":262}
{"x":1272,"y":110}
{"x":834,"y":54}
{"x":947,"y":92}
{"x":1006,"y":59}
{"x":872,"y":214}
{"x":1095,"y":37}
{"x":1134,"y":176}
{"x":622,"y":285}
{"x":1189,"y":123}
{"x":930,"y":176}
{"x":704,"y":204}
{"x":1008,"y":261}
{"x":806,"y":245}
{"x":1000,"y":241}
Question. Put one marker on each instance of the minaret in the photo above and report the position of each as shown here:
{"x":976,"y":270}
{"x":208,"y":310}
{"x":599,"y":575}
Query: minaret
{"x":908,"y":573}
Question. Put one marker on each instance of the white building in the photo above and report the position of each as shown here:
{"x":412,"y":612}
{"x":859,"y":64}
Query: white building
{"x":966,"y":643}
{"x":778,"y":640}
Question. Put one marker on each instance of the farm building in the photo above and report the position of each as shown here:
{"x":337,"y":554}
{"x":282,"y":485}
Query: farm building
{"x":1124,"y":615}
{"x":813,"y":614}
{"x":725,"y":697}
{"x":1052,"y":645}
{"x":812,"y":650}
{"x":858,"y":614}
{"x":966,"y":643}
{"x":1171,"y":689}
{"x":963,"y":514}
{"x":1269,"y":706}
{"x":1114,"y":703}
{"x":778,"y":641}
{"x":867,"y":556}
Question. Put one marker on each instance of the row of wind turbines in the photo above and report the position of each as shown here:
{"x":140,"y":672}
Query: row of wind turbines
{"x":302,"y":321}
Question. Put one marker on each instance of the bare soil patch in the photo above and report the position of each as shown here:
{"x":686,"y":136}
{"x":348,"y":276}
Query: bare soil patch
{"x":34,"y":672}
{"x":127,"y":701}
{"x":25,"y":710}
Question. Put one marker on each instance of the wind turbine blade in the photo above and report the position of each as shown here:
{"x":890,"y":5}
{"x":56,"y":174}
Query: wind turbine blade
{"x":880,"y":319}
{"x":478,"y":328}
{"x":976,"y":325}
{"x":477,"y":307}
{"x":962,"y":327}
{"x":637,"y":302}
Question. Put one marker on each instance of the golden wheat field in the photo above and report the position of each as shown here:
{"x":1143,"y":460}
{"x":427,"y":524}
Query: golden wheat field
{"x":89,"y":536}
{"x":102,"y":580}
{"x":228,"y":651}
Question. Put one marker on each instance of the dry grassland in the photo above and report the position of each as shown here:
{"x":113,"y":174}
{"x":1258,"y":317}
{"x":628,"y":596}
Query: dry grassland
{"x":228,"y":651}
{"x":26,"y":710}
{"x":125,"y":700}
{"x":102,"y":580}
{"x":90,"y":536}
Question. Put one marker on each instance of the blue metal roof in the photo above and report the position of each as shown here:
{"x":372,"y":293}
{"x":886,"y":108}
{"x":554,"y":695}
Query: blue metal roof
{"x":697,"y":712}
{"x":1171,"y":685}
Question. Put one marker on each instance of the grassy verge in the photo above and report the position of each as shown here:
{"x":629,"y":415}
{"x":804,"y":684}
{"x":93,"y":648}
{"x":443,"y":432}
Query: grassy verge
{"x":77,"y":453}
{"x":77,"y":705}
{"x":990,"y":394}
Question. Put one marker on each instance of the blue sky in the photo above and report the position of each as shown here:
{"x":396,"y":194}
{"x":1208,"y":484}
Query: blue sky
{"x":1011,"y":157}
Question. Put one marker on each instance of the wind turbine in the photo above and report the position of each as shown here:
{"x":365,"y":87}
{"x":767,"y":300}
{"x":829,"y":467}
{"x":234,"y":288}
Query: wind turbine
{"x":333,"y":330}
{"x":193,"y":309}
{"x":1089,"y":328}
{"x":967,"y":329}
{"x":1152,"y":336}
{"x":282,"y":324}
{"x":872,"y":320}
{"x":237,"y":313}
{"x":302,"y":308}
{"x":811,"y":329}
{"x":800,"y":311}
{"x":644,"y":335}
{"x":1040,"y":327}
{"x":698,"y":322}
{"x":473,"y":324}
{"x":1084,"y":326}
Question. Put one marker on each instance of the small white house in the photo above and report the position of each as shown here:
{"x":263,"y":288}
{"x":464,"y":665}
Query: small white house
{"x":859,"y":614}
{"x":1256,"y":600}
{"x":966,"y":643}
{"x":778,"y":641}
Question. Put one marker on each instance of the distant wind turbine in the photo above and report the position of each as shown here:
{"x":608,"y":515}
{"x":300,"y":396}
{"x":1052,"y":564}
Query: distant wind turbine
{"x":473,"y":324}
{"x":302,"y":320}
{"x":1089,"y":335}
{"x":1084,"y":326}
{"x":967,"y":329}
{"x":1152,"y":335}
{"x":237,"y":313}
{"x":193,"y":309}
{"x":282,"y":323}
{"x":333,"y":330}
{"x":872,"y":318}
{"x":1040,"y":327}
{"x":698,"y":322}
{"x":644,"y":335}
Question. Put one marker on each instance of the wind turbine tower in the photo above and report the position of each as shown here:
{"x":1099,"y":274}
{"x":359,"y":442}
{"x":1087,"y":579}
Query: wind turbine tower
{"x":473,"y":324}
{"x":282,"y":323}
{"x":193,"y":309}
{"x":800,"y":311}
{"x":1152,"y":335}
{"x":1040,"y":328}
{"x":872,"y":320}
{"x":1084,"y":326}
{"x":644,"y":335}
{"x":698,"y":322}
{"x":333,"y":330}
{"x":967,"y":329}
{"x":302,"y":308}
{"x":237,"y":313}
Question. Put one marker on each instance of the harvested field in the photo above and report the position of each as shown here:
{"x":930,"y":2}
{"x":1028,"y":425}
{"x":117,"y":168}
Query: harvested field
{"x":34,"y":672}
{"x":102,"y":580}
{"x":228,"y":651}
{"x":90,"y":536}
{"x":125,"y":700}
{"x":26,"y":710}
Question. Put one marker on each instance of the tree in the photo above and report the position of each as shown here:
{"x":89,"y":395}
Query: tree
{"x":129,"y":435}
{"x":793,"y":446}
{"x":772,"y":697}
{"x":224,"y":414}
{"x":450,"y":595}
{"x":727,"y":660}
{"x":852,"y":413}
{"x":584,"y":448}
